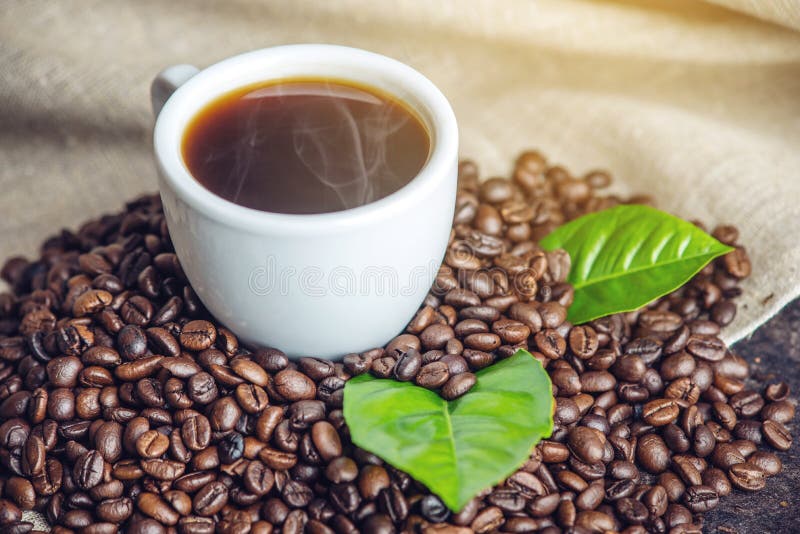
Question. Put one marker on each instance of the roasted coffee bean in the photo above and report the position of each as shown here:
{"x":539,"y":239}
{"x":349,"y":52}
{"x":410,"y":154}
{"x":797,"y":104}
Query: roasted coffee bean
{"x":570,"y":481}
{"x":21,"y":492}
{"x":631,"y":511}
{"x":652,"y":453}
{"x":180,"y":367}
{"x":704,"y":441}
{"x":687,"y":470}
{"x":163,"y":469}
{"x":746,"y":448}
{"x":302,"y":414}
{"x":137,"y":310}
{"x":383,"y":367}
{"x":403,"y":343}
{"x":597,"y":381}
{"x":550,"y":343}
{"x":108,"y":440}
{"x":716,"y":480}
{"x":747,"y":403}
{"x":297,"y":494}
{"x":138,"y":369}
{"x":586,"y":444}
{"x":210,"y":499}
{"x":748,"y":430}
{"x":591,"y":497}
{"x":92,"y":301}
{"x":131,"y":342}
{"x":660,"y":412}
{"x":737,"y":263}
{"x":378,"y":523}
{"x":345,"y":498}
{"x":777,"y":391}
{"x":458,"y":385}
{"x":593,"y":521}
{"x":656,"y":500}
{"x":432,"y":509}
{"x":196,"y":432}
{"x":372,"y":480}
{"x":341,"y":469}
{"x":88,"y":470}
{"x":357,"y":363}
{"x":33,"y":456}
{"x":250,"y":371}
{"x":267,"y":422}
{"x":294,"y":386}
{"x":482,"y":341}
{"x":258,"y":478}
{"x":724,"y":414}
{"x":9,"y":512}
{"x":192,"y":482}
{"x":146,"y":526}
{"x":726,"y":455}
{"x":277,"y":459}
{"x":544,"y":505}
{"x":64,"y":371}
{"x":620,"y":489}
{"x":231,"y":448}
{"x":198,"y":335}
{"x":148,"y":391}
{"x":114,"y":510}
{"x":436,"y":336}
{"x":393,"y":503}
{"x":700,"y":498}
{"x":408,"y":365}
{"x":747,"y":476}
{"x":583,"y":341}
{"x":326,"y":440}
{"x":676,"y":438}
{"x":202,"y":388}
{"x":223,"y":414}
{"x":768,"y":462}
{"x":776,"y":435}
{"x":16,"y":404}
{"x":673,"y":485}
{"x":433,"y":375}
{"x":780,"y":411}
{"x":154,"y":506}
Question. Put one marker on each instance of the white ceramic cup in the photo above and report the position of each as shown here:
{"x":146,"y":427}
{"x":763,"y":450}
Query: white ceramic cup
{"x":319,"y":285}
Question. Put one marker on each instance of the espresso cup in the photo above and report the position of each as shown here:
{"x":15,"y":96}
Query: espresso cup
{"x":311,"y":285}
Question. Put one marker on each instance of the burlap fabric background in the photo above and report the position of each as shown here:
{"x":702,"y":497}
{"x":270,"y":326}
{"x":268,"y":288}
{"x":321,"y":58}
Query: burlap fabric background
{"x":695,"y":103}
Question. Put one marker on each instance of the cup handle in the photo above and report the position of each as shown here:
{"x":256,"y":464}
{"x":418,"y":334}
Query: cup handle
{"x":166,"y":82}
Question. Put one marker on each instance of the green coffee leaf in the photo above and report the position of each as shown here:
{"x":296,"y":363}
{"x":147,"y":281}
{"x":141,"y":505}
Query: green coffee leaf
{"x":627,"y":256}
{"x":460,"y":447}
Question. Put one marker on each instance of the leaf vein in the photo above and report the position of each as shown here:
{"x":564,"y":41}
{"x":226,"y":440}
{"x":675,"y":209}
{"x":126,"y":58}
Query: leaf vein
{"x":452,"y":441}
{"x":611,"y":276}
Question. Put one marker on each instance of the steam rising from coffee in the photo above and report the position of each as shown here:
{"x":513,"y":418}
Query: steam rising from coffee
{"x":363,"y":139}
{"x":305,"y":147}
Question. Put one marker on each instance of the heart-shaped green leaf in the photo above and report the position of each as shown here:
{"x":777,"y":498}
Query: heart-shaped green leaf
{"x":627,"y":256}
{"x":455,"y":448}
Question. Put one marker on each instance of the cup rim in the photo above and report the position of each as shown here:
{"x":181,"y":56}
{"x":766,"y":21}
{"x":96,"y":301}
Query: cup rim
{"x":177,"y":113}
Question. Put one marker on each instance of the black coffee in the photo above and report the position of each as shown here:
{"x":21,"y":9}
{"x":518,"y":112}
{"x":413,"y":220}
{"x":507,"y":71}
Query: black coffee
{"x":305,"y":146}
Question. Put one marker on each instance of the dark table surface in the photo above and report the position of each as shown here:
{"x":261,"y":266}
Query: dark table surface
{"x":774,"y":354}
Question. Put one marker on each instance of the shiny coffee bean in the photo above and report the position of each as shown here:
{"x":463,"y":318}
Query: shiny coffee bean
{"x":747,"y":476}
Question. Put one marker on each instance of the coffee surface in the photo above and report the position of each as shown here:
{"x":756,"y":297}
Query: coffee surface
{"x":305,"y":146}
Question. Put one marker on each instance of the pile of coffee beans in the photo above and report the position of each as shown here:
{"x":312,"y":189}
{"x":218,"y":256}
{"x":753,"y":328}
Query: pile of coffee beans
{"x":497,"y":291}
{"x":125,"y":406}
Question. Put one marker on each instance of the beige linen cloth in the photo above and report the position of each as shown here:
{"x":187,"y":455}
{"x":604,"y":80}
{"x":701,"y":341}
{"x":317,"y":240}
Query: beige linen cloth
{"x":695,"y":103}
